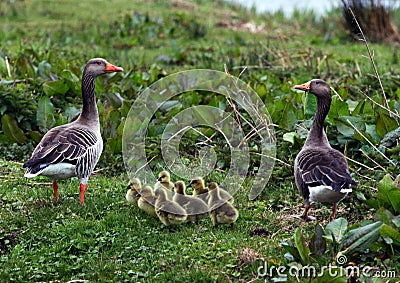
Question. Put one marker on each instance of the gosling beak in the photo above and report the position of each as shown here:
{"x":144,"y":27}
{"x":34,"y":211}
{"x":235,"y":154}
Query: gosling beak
{"x":189,"y":185}
{"x":111,"y":68}
{"x":138,"y":195}
{"x":159,"y":179}
{"x":305,"y":86}
{"x":128,"y":187}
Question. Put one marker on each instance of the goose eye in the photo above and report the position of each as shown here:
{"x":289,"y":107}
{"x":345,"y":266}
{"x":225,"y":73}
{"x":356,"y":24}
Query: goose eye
{"x":98,"y":62}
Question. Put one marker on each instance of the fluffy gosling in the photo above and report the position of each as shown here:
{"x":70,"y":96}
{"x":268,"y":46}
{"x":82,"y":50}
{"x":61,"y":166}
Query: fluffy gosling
{"x":195,"y":207}
{"x":133,"y":191}
{"x":168,"y":211}
{"x":147,"y":201}
{"x":199,"y":189}
{"x":221,"y":211}
{"x":224,"y":194}
{"x":164,"y":181}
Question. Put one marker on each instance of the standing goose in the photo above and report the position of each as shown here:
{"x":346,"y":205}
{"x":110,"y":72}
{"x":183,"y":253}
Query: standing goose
{"x":73,"y":149}
{"x":321,"y":172}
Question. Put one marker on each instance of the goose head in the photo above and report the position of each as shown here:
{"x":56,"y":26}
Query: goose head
{"x":180,"y":187}
{"x":135,"y":183}
{"x":161,"y":194}
{"x":146,"y":191}
{"x":196,"y":183}
{"x":99,"y":66}
{"x":164,"y":177}
{"x":212,"y":186}
{"x":317,"y":87}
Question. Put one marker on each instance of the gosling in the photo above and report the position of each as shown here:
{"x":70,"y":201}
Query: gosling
{"x":133,"y":191}
{"x":225,"y":195}
{"x":168,"y":211}
{"x":199,"y":189}
{"x":195,"y":207}
{"x":147,"y":201}
{"x":221,"y":211}
{"x":164,"y":181}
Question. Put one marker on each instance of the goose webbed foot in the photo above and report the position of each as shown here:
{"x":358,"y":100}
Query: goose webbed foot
{"x":305,"y":215}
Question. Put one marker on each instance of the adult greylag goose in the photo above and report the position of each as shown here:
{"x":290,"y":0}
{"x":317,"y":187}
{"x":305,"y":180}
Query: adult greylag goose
{"x":73,"y":149}
{"x":321,"y":172}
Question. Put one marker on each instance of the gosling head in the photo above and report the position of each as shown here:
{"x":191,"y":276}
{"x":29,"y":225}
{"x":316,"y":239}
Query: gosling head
{"x":164,"y":177}
{"x":179,"y":187}
{"x":196,"y":183}
{"x":146,"y":191}
{"x":213,"y":186}
{"x":135,"y":183}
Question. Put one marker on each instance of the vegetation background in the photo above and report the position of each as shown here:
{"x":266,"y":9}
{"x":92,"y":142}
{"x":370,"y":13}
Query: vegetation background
{"x":45,"y":44}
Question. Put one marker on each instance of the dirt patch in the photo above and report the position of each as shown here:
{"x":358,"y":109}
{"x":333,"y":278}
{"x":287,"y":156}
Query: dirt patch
{"x":8,"y":242}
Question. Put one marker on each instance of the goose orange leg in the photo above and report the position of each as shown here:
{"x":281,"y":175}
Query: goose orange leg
{"x":55,"y":189}
{"x":334,"y":209}
{"x":82,"y":193}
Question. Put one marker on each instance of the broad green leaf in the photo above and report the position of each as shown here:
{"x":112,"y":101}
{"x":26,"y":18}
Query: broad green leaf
{"x":11,"y":129}
{"x":291,"y":137}
{"x":384,"y":215}
{"x":338,"y":108}
{"x":35,"y":136}
{"x":55,"y":87}
{"x":291,"y":249}
{"x":45,"y":114}
{"x":318,"y":242}
{"x":301,"y":246}
{"x":346,"y":128}
{"x":310,"y":104}
{"x":389,"y":231}
{"x":388,"y":193}
{"x":71,"y":113}
{"x":44,"y":69}
{"x":336,"y":229}
{"x":385,"y":124}
{"x":361,"y":238}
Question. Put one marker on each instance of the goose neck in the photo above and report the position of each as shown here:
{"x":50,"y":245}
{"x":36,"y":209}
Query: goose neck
{"x":89,"y":109}
{"x":317,"y":134}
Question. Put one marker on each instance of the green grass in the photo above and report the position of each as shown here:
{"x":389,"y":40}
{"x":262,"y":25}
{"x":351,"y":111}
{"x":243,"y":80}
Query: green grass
{"x":108,"y":240}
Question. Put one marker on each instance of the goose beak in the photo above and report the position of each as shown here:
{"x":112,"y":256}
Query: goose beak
{"x":111,"y":68}
{"x":305,"y":86}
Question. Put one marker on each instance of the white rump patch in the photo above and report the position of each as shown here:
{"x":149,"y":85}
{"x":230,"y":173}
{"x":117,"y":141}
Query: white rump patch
{"x":325,"y":194}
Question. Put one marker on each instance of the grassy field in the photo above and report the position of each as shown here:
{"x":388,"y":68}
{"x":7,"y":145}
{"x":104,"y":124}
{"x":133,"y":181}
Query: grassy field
{"x":108,"y":240}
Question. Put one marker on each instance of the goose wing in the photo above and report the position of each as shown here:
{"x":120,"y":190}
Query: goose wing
{"x":326,"y":168}
{"x":63,"y":144}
